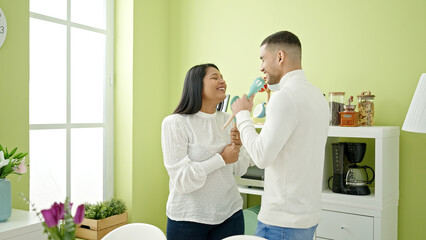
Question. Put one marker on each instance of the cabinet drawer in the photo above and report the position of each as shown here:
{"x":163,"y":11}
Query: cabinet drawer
{"x":23,"y":234}
{"x":344,"y":226}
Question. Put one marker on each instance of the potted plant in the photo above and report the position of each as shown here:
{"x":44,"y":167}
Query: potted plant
{"x":10,"y":163}
{"x":101,"y":218}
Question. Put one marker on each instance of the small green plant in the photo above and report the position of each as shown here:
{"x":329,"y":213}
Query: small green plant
{"x":104,"y":209}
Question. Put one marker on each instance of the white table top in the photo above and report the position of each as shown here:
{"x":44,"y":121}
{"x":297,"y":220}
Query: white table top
{"x":20,"y":222}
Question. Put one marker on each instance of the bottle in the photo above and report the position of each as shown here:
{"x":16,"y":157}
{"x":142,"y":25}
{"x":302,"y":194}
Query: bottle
{"x":366,"y":109}
{"x":336,"y":106}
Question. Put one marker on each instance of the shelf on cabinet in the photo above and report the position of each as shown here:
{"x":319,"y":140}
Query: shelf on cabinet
{"x":364,"y":132}
{"x":360,"y":201}
{"x":358,"y":132}
{"x":250,"y":190}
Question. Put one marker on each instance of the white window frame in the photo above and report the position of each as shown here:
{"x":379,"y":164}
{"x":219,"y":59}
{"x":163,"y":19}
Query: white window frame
{"x":108,"y":125}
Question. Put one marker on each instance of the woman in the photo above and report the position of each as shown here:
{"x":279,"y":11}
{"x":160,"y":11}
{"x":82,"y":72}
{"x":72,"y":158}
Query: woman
{"x":202,"y":160}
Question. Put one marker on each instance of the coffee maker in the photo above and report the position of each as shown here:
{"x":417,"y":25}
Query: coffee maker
{"x":348,"y":177}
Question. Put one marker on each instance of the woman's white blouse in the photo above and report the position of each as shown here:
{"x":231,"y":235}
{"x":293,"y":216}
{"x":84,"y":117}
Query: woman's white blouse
{"x":202,"y":187}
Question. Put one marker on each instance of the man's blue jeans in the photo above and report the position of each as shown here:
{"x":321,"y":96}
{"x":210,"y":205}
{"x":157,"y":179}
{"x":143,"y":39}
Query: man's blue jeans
{"x":282,"y":233}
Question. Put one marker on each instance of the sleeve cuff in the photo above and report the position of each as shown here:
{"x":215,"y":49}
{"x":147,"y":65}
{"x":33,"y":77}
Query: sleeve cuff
{"x":215,"y":162}
{"x":243,"y":118}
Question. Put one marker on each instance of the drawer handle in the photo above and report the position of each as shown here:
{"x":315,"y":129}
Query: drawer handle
{"x":341,"y":227}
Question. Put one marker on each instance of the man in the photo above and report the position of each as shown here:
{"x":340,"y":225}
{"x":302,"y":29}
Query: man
{"x":291,"y":145}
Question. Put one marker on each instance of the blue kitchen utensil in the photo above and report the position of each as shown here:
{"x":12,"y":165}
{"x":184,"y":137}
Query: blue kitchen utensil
{"x":259,"y":111}
{"x":255,"y":87}
{"x":231,"y":117}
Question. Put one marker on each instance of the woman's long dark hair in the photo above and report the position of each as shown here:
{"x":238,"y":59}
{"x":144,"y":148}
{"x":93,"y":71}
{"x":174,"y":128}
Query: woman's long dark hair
{"x":191,"y":99}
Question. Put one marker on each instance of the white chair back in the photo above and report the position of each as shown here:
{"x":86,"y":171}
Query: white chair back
{"x":136,"y":231}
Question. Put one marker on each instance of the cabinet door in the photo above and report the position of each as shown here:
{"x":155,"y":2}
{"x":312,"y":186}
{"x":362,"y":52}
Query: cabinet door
{"x":343,"y":226}
{"x":35,"y":235}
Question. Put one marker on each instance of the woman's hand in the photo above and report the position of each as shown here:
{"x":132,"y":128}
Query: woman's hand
{"x":230,"y":153}
{"x":235,"y":137}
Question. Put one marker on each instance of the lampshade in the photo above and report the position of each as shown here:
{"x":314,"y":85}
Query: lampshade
{"x":415,"y":121}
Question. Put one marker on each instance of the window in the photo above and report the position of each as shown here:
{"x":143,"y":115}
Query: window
{"x":71,"y":101}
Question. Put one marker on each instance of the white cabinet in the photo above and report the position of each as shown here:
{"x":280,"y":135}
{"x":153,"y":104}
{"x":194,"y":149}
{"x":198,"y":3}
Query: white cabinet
{"x":381,"y":206}
{"x":374,"y":216}
{"x":22,"y":225}
{"x":337,"y":225}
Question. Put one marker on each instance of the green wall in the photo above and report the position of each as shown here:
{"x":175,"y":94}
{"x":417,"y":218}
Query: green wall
{"x":348,"y":46}
{"x":141,"y":76}
{"x":150,"y":75}
{"x":123,"y":104}
{"x":14,"y":90}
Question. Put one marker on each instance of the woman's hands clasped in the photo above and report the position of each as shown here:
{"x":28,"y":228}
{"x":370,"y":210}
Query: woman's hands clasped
{"x":231,"y":151}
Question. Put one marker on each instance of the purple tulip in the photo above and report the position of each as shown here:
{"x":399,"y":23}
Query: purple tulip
{"x":61,"y":211}
{"x":58,"y":210}
{"x":79,"y":214}
{"x":49,"y":218}
{"x":54,"y":214}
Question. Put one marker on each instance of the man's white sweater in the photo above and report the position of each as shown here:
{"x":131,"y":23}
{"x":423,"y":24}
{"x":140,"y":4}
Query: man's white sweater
{"x":291,"y":148}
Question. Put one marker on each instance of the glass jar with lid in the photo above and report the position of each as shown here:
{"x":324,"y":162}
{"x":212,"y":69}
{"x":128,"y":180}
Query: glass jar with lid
{"x":366,"y":109}
{"x":336,"y":103}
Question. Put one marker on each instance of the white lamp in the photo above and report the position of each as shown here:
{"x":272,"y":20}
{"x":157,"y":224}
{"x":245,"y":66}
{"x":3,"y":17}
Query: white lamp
{"x":415,"y":121}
